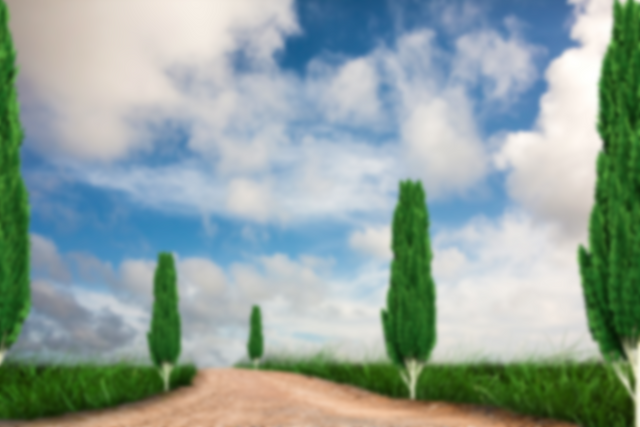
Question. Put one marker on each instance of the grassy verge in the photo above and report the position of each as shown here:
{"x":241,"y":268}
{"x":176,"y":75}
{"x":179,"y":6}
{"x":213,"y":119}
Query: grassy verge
{"x":586,"y":393}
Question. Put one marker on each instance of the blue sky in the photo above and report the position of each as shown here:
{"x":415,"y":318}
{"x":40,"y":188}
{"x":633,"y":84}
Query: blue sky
{"x":262,"y":143}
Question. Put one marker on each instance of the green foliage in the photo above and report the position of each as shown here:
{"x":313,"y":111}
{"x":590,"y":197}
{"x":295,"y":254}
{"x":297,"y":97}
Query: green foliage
{"x":164,"y":337}
{"x":409,"y":321}
{"x":610,"y":275}
{"x":255,"y":344}
{"x":11,"y":336}
{"x":14,"y":207}
{"x":586,"y":394}
{"x":36,"y":390}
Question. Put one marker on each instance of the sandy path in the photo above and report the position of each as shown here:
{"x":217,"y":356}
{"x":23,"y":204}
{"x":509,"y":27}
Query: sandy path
{"x":243,"y":398}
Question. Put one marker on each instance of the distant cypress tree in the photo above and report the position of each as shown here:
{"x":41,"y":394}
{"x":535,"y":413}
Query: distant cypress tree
{"x":254,"y":346}
{"x":409,"y":323}
{"x":164,"y":337}
{"x":15,"y":290}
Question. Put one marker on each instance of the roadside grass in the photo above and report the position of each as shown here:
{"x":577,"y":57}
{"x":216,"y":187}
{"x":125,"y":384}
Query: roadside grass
{"x":31,"y":389}
{"x":587,"y":393}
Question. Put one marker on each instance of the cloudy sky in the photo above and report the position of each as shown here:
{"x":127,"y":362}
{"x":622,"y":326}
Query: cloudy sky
{"x":263,"y":142}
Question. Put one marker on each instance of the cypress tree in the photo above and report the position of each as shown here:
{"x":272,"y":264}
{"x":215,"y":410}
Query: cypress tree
{"x":164,"y":337}
{"x":409,"y":322}
{"x":610,"y":273}
{"x":254,"y":346}
{"x":15,"y":291}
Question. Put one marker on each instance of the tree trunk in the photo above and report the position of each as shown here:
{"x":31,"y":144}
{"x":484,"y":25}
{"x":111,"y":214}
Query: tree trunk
{"x":635,"y":364}
{"x":414,"y":368}
{"x":166,"y":374}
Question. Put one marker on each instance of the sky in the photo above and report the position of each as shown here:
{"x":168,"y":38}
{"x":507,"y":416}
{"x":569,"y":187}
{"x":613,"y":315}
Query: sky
{"x":262,"y":143}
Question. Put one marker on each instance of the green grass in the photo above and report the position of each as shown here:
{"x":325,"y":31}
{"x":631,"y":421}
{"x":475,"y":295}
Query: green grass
{"x":586,"y":393}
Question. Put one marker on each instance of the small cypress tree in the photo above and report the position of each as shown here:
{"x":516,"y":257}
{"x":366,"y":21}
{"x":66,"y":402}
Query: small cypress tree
{"x":409,"y":322}
{"x":254,"y":346}
{"x":15,"y":286}
{"x":164,"y":337}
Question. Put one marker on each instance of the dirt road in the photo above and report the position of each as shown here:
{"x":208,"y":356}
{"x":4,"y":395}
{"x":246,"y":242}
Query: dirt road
{"x":243,"y":398}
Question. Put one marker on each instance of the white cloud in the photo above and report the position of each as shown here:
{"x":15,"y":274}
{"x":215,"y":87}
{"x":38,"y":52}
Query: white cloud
{"x":498,"y":295}
{"x":491,"y":287}
{"x":250,"y":199}
{"x":453,"y":20}
{"x":245,"y":121}
{"x":560,"y":154}
{"x":375,"y":241}
{"x":445,"y":128}
{"x":507,"y":63}
{"x":203,"y":277}
{"x":350,"y":95}
{"x":137,"y":277}
{"x":91,"y":76}
{"x":45,"y":259}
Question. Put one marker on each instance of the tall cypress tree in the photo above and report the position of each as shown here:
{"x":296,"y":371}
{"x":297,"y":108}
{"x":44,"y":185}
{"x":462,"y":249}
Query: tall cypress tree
{"x":611,"y":273}
{"x":164,"y":337}
{"x":255,"y":344}
{"x":15,"y":292}
{"x":409,"y":322}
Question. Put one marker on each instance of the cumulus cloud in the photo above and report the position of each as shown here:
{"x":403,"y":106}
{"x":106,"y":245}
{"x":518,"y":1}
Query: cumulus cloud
{"x":485,"y":54}
{"x":45,"y":259}
{"x":89,"y":77}
{"x":347,"y":94}
{"x":90,"y":91}
{"x":559,"y":153}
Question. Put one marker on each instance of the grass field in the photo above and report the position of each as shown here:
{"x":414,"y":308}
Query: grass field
{"x":587,"y":393}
